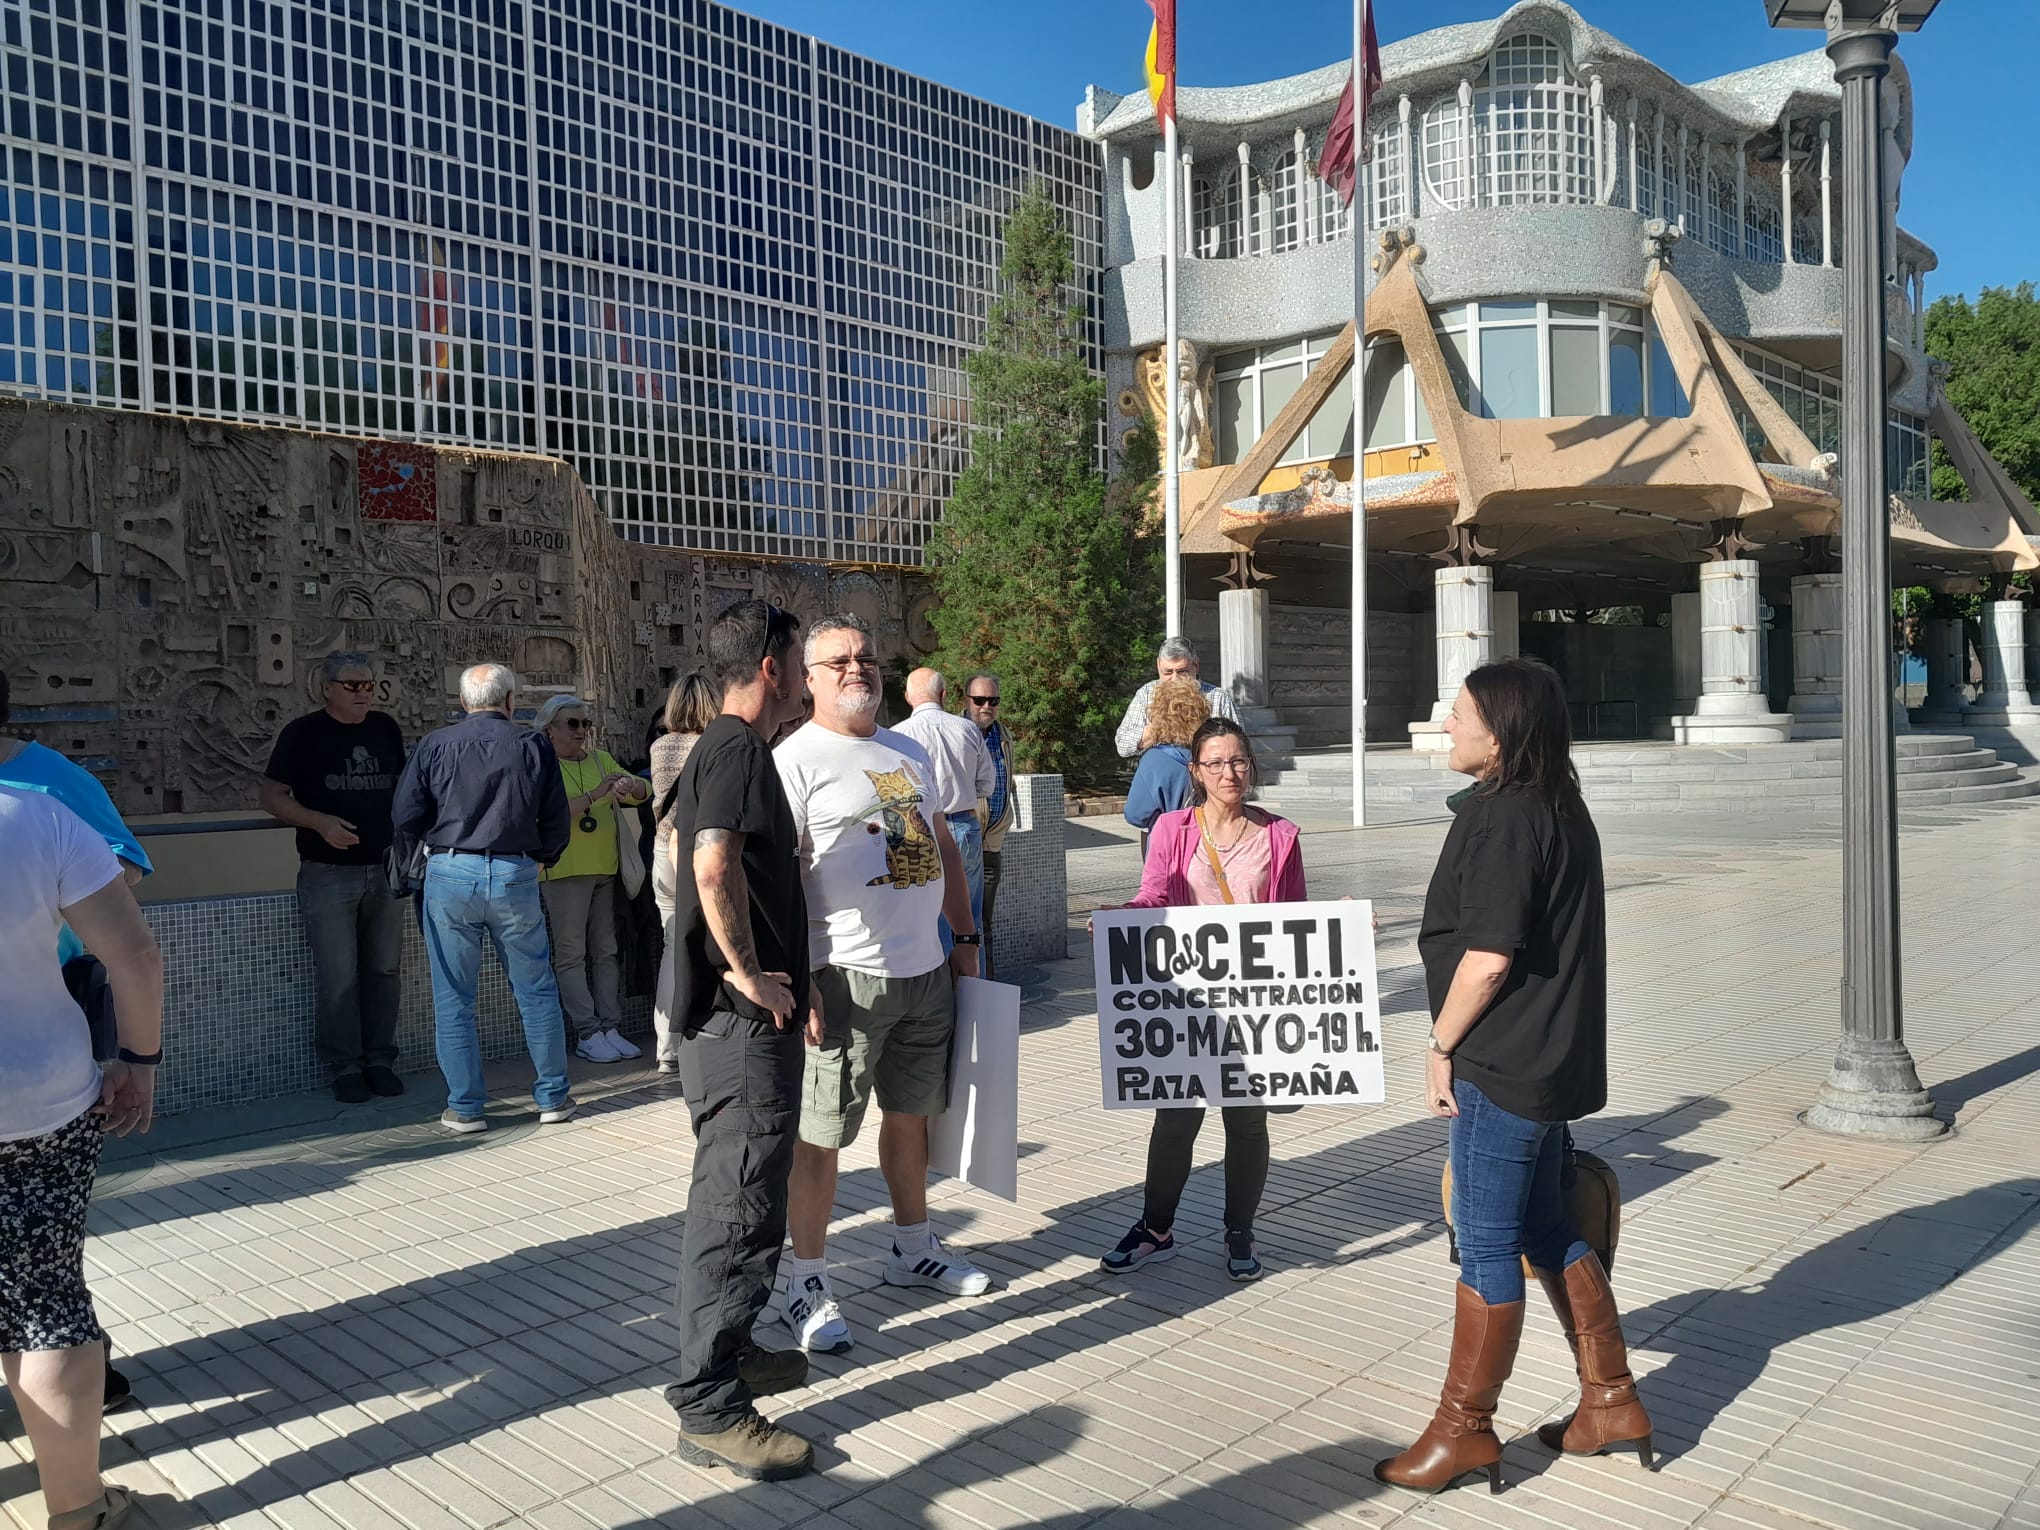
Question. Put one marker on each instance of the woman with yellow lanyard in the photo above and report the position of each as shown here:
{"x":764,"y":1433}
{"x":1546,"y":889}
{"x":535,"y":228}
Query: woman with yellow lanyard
{"x":580,"y":888}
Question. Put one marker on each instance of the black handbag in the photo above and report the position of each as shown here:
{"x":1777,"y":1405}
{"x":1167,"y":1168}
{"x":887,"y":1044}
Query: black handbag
{"x":404,"y":865}
{"x":85,"y":977}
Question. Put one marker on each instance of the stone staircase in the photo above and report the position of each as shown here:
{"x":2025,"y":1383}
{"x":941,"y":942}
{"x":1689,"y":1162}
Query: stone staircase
{"x":1934,"y":770}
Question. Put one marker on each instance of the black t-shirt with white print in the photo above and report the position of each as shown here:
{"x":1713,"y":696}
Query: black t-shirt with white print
{"x":347,"y":769}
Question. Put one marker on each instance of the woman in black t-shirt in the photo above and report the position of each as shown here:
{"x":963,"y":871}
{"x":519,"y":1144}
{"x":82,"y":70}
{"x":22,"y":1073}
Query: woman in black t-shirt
{"x":1515,"y":951}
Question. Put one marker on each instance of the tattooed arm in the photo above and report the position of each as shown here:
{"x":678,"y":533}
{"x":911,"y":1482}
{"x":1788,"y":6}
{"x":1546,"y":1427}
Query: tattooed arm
{"x":726,"y":907}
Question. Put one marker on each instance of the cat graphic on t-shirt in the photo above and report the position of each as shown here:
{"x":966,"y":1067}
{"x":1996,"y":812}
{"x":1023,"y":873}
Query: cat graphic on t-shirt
{"x":911,"y":858}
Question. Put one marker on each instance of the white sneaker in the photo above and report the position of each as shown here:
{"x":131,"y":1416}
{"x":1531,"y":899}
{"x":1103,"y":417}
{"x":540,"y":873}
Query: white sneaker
{"x":623,"y":1048}
{"x":817,"y":1322}
{"x":938,"y":1269}
{"x":669,"y":1065}
{"x":596,"y":1049}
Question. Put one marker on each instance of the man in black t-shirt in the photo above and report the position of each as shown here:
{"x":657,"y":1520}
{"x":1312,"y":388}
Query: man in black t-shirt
{"x":331,"y":776}
{"x":744,"y":1008}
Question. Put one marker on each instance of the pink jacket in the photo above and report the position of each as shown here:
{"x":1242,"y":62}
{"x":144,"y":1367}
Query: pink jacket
{"x":1173,"y":843}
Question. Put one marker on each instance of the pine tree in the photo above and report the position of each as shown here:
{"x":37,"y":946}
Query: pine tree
{"x":1043,"y":571}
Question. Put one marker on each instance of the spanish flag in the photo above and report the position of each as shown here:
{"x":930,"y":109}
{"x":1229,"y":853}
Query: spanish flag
{"x":1161,"y":60}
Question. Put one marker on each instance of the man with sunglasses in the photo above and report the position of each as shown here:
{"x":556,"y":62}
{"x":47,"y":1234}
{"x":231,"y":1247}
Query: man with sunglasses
{"x":981,"y":701}
{"x":332,"y":776}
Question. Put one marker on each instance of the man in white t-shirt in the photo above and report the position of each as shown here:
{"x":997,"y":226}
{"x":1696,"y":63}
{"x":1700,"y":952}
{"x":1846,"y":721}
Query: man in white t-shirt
{"x":879,"y":868}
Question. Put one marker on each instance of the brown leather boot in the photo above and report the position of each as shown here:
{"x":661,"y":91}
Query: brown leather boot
{"x":1609,"y":1412}
{"x":1461,"y":1436}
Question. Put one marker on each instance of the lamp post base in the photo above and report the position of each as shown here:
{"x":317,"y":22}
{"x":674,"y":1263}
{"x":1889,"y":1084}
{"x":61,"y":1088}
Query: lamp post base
{"x":1874,"y":1091}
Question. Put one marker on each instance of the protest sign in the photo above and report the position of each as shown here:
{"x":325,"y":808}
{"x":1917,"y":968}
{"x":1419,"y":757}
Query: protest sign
{"x":977,"y":1139}
{"x":1253,"y":1004}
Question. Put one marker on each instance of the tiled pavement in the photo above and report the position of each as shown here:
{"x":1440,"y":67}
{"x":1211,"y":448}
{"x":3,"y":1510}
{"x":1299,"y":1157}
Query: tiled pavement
{"x":341,"y":1317}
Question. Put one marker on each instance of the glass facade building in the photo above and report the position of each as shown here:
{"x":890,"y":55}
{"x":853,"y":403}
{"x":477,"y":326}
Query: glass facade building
{"x":727,"y":271}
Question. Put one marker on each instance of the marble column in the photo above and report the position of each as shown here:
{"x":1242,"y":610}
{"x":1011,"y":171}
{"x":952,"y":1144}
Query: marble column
{"x":1947,"y":665}
{"x":1732,"y":708}
{"x":2005,"y":698}
{"x":1243,"y":645}
{"x":1465,"y":640}
{"x":1816,"y":704}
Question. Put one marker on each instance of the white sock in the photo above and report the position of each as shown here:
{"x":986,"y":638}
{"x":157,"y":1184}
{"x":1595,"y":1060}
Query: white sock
{"x":911,"y":1239}
{"x":798,"y":1270}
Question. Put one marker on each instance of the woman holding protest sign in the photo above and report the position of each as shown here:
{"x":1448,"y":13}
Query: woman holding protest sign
{"x":1216,"y":850}
{"x":1515,"y":952}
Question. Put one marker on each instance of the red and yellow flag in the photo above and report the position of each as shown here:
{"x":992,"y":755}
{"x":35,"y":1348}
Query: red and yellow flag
{"x":1161,"y":60}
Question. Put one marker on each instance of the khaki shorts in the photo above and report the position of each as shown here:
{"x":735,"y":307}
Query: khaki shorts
{"x":892,"y":1034}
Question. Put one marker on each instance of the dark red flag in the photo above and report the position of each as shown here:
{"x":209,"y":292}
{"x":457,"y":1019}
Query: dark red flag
{"x":1336,"y":163}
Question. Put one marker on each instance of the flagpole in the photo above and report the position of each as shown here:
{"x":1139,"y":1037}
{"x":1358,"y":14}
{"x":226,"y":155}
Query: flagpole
{"x":1172,"y":507}
{"x":1358,"y":572}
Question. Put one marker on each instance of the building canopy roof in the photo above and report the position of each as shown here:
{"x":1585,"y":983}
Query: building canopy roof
{"x":1748,"y":101}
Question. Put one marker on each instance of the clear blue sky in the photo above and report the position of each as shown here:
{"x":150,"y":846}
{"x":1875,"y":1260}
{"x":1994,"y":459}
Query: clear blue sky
{"x":1969,"y":192}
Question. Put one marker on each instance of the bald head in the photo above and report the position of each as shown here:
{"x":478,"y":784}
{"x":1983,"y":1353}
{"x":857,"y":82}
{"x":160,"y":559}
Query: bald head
{"x":925,"y":685}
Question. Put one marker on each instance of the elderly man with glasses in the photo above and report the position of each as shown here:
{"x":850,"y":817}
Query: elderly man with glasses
{"x":1175,"y":658}
{"x":332,"y":776}
{"x":880,"y":871}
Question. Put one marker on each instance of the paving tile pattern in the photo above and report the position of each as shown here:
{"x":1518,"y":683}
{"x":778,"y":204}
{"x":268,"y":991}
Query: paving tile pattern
{"x":339,"y":1318}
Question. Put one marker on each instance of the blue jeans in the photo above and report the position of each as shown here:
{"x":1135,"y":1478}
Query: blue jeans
{"x":1507,"y":1200}
{"x":969,"y":835}
{"x":467,"y":897}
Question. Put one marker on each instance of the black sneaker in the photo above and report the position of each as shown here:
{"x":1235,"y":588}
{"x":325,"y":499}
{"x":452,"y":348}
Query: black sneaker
{"x":1240,"y":1262}
{"x":1137,"y":1248}
{"x":351,"y":1089}
{"x":383,"y":1081}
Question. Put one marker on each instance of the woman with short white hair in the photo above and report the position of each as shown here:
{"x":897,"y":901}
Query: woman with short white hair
{"x":580,"y":888}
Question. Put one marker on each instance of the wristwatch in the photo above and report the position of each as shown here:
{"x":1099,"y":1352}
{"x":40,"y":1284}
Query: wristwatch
{"x":139,"y":1060}
{"x":972,"y":939}
{"x":1442,"y":1051}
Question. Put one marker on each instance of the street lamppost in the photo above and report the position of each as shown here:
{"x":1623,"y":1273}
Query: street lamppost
{"x":1874,"y":1089}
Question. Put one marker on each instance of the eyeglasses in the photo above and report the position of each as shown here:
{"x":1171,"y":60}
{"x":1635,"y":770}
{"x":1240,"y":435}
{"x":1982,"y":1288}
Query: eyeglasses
{"x":844,"y":665}
{"x":984,"y":701}
{"x":576,"y":724}
{"x":1232,"y":767}
{"x":357,"y":687}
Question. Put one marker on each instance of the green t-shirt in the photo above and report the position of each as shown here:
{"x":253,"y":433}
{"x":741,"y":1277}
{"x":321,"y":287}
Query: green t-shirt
{"x":591,"y":852}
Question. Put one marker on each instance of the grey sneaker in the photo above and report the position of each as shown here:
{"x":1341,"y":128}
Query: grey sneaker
{"x":564,"y":1111}
{"x":755,"y":1448}
{"x":454,"y":1121}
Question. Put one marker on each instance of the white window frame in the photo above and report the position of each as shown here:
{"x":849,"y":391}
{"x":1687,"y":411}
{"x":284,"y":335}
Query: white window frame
{"x":1315,"y":348}
{"x":1605,"y":326}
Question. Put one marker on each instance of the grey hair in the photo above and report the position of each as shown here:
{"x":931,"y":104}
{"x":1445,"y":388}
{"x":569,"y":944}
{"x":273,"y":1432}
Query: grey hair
{"x":837,"y":621}
{"x":983,"y":674}
{"x":1176,"y":648}
{"x":485,"y":687}
{"x":549,"y":711}
{"x":331,"y":667}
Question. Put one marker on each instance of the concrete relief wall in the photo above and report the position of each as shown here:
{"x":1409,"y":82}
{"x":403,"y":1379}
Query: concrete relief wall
{"x":167,"y":586}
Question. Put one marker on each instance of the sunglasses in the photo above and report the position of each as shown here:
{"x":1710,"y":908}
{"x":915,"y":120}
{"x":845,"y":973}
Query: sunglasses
{"x":576,"y":724}
{"x":357,"y":687}
{"x":984,"y":701}
{"x":775,"y":623}
{"x":843,"y":666}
